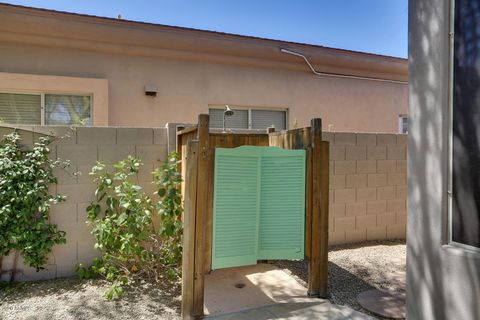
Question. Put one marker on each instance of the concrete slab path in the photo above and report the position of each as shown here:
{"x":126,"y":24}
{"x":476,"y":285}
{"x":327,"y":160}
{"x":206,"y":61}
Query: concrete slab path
{"x":320,"y":309}
{"x":234,"y":289}
{"x":389,"y":305}
{"x":263,"y":292}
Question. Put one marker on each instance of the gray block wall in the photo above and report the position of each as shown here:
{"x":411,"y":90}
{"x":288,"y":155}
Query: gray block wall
{"x":84,"y":147}
{"x":367,"y":184}
{"x":368,"y":176}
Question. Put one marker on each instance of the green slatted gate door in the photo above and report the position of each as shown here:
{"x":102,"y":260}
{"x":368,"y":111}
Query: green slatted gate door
{"x":235,"y":207}
{"x":259,"y":205}
{"x":282,"y":204}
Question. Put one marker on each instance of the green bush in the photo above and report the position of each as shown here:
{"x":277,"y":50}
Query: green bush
{"x":122,"y":220}
{"x":25,"y":178}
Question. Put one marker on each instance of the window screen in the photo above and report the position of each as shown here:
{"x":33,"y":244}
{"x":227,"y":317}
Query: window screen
{"x":402,"y":124}
{"x":67,"y":110}
{"x":465,"y":214}
{"x":239,"y":120}
{"x":249,"y":118}
{"x":22,"y":109}
{"x":262,"y":119}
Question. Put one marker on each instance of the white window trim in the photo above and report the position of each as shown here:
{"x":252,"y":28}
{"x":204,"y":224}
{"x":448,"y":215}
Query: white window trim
{"x":250,"y":109}
{"x":42,"y":100}
{"x":401,"y":129}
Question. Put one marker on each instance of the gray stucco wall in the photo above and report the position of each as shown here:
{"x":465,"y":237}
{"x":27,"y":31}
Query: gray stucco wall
{"x":443,"y":282}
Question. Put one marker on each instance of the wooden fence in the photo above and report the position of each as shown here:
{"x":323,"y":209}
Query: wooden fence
{"x":197,"y":151}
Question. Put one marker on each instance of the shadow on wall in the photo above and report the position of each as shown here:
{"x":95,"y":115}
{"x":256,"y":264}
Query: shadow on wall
{"x":433,"y":288}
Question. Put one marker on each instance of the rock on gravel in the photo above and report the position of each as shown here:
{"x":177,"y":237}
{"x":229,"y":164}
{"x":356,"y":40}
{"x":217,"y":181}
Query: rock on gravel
{"x":66,"y":299}
{"x":358,"y":267}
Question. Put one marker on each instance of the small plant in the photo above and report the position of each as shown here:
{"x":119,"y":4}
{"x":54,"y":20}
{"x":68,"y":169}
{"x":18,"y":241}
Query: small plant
{"x":170,"y":210}
{"x":122,"y":220}
{"x":25,"y":178}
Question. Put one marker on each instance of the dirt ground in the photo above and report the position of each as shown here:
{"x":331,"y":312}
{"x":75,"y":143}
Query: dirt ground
{"x":352,"y":269}
{"x":64,"y":299}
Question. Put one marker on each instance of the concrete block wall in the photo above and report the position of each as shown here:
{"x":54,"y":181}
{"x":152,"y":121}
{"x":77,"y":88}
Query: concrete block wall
{"x":368,"y":174}
{"x":367,"y":185}
{"x":84,"y":147}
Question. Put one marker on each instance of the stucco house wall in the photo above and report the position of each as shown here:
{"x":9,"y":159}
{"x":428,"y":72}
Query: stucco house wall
{"x":443,"y":281}
{"x":194,"y":69}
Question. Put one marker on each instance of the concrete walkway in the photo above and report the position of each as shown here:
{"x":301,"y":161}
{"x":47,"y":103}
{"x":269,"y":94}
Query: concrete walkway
{"x":262,"y":292}
{"x":320,"y":309}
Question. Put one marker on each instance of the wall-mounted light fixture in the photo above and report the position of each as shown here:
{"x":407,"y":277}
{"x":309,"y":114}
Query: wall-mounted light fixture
{"x":151,"y":91}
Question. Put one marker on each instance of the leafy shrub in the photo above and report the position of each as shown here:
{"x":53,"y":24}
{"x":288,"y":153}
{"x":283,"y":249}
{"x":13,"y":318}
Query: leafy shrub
{"x":25,"y":178}
{"x":123,"y":224}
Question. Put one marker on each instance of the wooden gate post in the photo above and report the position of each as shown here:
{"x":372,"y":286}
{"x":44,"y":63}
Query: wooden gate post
{"x":189,"y":215}
{"x":324,"y":204}
{"x":203,"y":173}
{"x":318,"y":262}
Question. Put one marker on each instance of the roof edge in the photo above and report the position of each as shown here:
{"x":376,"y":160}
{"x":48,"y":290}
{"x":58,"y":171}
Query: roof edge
{"x":245,"y":46}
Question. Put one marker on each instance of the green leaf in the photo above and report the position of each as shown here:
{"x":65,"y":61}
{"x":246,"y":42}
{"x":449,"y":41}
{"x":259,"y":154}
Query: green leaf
{"x":161,"y":192}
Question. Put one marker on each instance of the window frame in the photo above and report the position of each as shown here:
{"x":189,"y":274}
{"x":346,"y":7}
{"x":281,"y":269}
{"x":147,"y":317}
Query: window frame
{"x":249,"y":109}
{"x":42,"y":95}
{"x":447,"y":239}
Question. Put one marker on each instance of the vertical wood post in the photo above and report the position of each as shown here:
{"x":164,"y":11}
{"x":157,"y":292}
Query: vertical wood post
{"x":201,"y":214}
{"x":317,"y":265}
{"x":188,"y":260}
{"x":324,"y":205}
{"x":209,"y":216}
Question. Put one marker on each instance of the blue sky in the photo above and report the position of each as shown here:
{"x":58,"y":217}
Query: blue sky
{"x":375,"y":26}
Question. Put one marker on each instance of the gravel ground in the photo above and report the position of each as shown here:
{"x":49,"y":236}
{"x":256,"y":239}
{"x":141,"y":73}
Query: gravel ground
{"x":355,"y":268}
{"x":82,"y":299}
{"x":352,"y":269}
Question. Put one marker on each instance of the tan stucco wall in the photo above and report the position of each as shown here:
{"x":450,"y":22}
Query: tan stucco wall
{"x":194,"y":69}
{"x":186,"y":88}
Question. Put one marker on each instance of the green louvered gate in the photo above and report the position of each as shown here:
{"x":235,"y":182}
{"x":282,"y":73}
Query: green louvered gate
{"x":259,"y":205}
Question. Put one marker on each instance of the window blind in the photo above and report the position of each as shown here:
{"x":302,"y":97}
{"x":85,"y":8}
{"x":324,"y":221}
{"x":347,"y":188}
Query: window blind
{"x":22,"y":109}
{"x":67,"y":110}
{"x":262,"y":119}
{"x":239,"y":120}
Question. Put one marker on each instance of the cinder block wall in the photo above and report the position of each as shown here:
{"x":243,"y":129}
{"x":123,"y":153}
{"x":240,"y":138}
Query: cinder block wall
{"x":84,"y":148}
{"x":367,"y":185}
{"x":368,"y":175}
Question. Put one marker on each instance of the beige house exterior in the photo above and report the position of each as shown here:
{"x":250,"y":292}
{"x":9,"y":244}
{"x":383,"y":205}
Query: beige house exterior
{"x":114,"y":61}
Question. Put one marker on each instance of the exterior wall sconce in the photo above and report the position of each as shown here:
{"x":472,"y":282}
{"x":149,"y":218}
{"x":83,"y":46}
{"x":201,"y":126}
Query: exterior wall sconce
{"x":150,"y":91}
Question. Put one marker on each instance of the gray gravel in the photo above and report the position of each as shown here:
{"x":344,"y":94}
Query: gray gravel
{"x":82,"y":299}
{"x":355,"y":268}
{"x":352,"y":269}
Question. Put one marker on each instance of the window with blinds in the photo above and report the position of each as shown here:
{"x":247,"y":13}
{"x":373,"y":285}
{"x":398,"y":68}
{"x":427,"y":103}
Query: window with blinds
{"x":239,"y":120}
{"x":262,"y":119}
{"x":24,"y":109}
{"x":67,"y":109}
{"x":45,"y":109}
{"x":248,"y":118}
